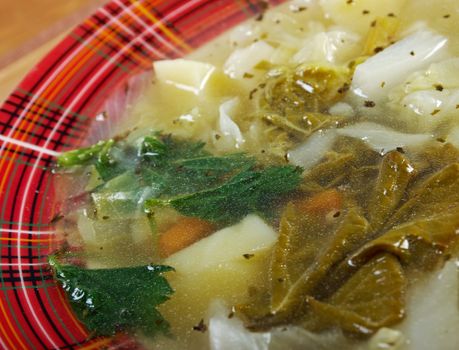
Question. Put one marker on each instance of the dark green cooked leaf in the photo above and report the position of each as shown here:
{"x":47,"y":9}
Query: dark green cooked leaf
{"x":121,"y":299}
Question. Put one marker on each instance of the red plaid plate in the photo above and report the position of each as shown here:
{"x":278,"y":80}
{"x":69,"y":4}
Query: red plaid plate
{"x":52,"y":111}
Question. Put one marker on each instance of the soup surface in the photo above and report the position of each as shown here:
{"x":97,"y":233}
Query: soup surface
{"x":293,"y":184}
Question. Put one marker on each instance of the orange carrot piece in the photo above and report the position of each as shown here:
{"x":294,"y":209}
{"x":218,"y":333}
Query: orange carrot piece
{"x":184,"y":233}
{"x":322,"y":203}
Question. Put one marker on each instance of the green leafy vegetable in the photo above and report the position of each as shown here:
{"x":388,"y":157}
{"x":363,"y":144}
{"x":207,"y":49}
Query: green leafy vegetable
{"x":248,"y":191}
{"x":350,"y":269}
{"x":306,"y":87}
{"x":165,"y":171}
{"x":84,"y":156}
{"x":112,"y":300}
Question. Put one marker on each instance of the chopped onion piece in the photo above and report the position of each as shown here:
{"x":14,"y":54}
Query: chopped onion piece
{"x":227,"y":126}
{"x":382,"y":139}
{"x":184,"y":74}
{"x":244,"y":60}
{"x":313,"y":150}
{"x":374,"y":78}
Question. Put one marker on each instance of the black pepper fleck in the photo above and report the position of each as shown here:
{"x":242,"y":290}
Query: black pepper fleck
{"x":365,"y":12}
{"x":248,"y":256}
{"x":438,"y":87}
{"x":299,"y":9}
{"x":200,"y":327}
{"x":369,"y":104}
{"x":435,"y":111}
{"x":343,"y":89}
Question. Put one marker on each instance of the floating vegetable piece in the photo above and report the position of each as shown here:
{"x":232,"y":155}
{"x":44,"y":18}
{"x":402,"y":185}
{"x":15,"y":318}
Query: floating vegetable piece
{"x":112,"y":300}
{"x":245,"y":59}
{"x":301,"y":126}
{"x":382,"y":139}
{"x":437,"y":194}
{"x":183,"y":74}
{"x":346,"y":237}
{"x":322,"y":203}
{"x":381,"y":34}
{"x":421,"y":241}
{"x":182,"y":234}
{"x":372,"y":298}
{"x":374,"y":78}
{"x":310,"y":152}
{"x":246,"y":192}
{"x":84,"y":156}
{"x":305,"y":88}
{"x":394,"y":176}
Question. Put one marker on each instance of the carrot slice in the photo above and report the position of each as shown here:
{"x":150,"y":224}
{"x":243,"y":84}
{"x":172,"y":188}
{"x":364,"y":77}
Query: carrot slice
{"x":322,"y":203}
{"x":183,"y":234}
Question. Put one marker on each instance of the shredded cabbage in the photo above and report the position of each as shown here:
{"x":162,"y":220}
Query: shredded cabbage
{"x":382,"y":139}
{"x":374,"y":78}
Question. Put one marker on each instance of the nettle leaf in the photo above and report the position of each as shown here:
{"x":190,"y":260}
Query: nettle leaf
{"x":247,"y":191}
{"x":121,"y":299}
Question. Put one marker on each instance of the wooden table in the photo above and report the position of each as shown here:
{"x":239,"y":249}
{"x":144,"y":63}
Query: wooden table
{"x":31,"y":28}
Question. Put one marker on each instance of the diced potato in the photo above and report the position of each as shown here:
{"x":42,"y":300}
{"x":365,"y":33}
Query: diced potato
{"x":221,"y":266}
{"x":184,"y":74}
{"x":226,"y":247}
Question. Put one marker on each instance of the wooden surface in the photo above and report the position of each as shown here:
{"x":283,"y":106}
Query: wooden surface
{"x":31,"y":28}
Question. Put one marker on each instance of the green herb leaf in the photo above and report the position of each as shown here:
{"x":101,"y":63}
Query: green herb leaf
{"x":170,"y":171}
{"x":122,"y":299}
{"x":248,"y":191}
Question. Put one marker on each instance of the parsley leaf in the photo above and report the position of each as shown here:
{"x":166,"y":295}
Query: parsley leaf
{"x":121,"y":299}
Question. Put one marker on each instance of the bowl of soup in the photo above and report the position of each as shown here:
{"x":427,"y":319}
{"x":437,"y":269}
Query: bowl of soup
{"x":236,"y":175}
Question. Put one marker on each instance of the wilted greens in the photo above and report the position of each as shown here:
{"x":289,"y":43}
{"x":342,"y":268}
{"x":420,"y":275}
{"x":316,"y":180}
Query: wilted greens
{"x":349,"y":266}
